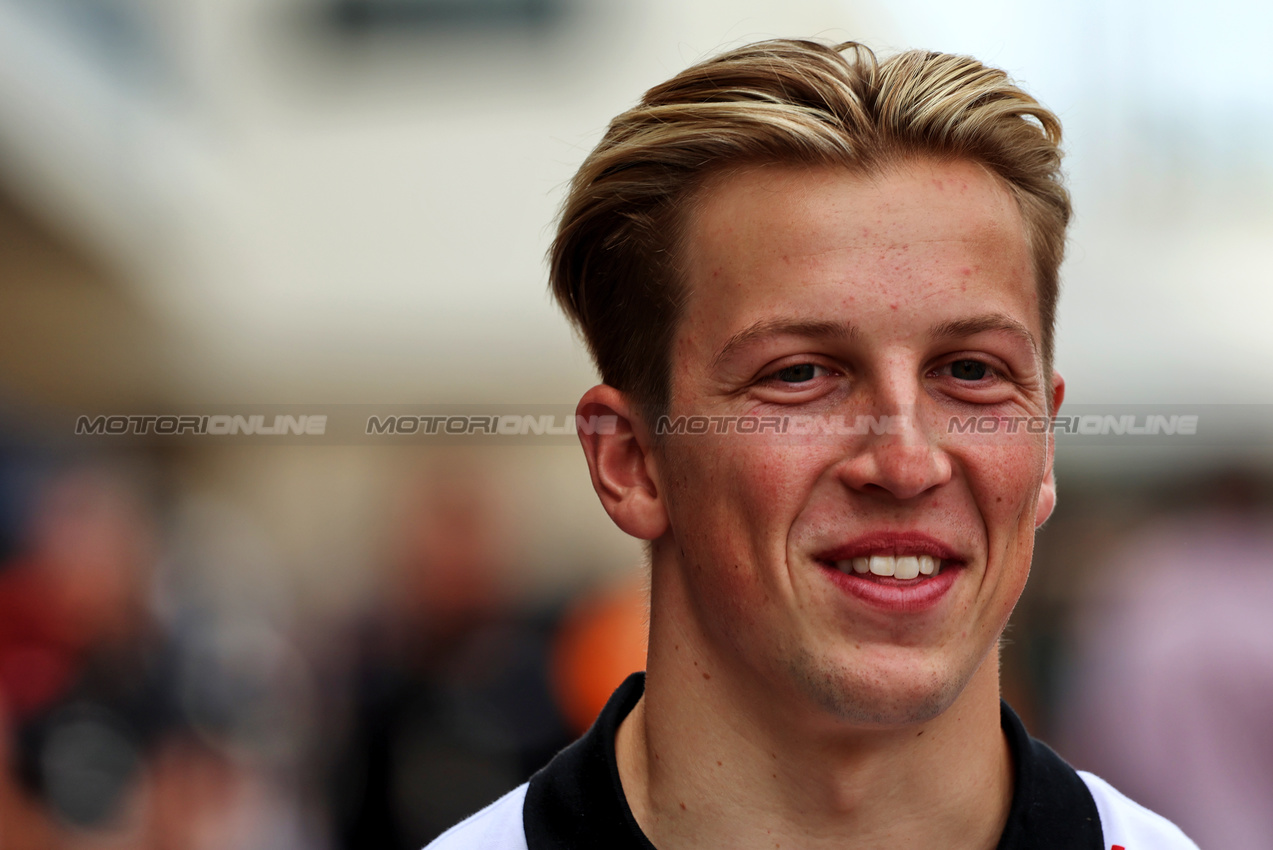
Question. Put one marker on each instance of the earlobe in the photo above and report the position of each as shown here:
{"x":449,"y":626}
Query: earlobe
{"x":1047,"y":492}
{"x":1047,"y":499}
{"x":624,"y":472}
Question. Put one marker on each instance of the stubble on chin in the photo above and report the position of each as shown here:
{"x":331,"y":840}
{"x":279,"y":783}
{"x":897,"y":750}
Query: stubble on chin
{"x":862,"y":699}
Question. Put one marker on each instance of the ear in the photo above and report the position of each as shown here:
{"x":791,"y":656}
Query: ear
{"x":623,"y":468}
{"x":1047,"y":493}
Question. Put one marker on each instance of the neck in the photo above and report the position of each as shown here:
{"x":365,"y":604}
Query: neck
{"x":708,"y":760}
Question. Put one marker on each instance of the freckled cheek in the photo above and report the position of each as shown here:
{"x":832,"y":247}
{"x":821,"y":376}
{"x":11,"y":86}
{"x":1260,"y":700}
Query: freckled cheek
{"x":1005,"y":483}
{"x":722,"y":572}
{"x":736,"y":527}
{"x":1005,"y":480}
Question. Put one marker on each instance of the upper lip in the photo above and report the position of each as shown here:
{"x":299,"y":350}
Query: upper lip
{"x":896,"y":543}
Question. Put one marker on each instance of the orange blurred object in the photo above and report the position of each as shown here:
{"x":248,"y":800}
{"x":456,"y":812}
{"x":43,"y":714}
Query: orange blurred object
{"x":601,"y":640}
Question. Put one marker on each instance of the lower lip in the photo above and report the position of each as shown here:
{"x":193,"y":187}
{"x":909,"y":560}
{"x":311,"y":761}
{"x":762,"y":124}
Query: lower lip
{"x":890,"y":594}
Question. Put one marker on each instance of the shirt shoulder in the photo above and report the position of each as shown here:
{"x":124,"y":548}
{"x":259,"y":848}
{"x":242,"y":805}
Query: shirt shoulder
{"x":1127,"y":824}
{"x":496,"y":827}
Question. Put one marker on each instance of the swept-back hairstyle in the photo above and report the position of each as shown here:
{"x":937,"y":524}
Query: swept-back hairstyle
{"x":614,"y":263}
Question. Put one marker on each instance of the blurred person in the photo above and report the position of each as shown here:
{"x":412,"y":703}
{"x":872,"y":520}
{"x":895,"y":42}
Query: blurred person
{"x":795,"y":232}
{"x":452,"y":700}
{"x":98,"y":750}
{"x":82,"y":686}
{"x":1171,"y":684}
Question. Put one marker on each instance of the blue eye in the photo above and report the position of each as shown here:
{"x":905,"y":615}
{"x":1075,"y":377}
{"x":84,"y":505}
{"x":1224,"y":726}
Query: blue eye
{"x":797,"y":374}
{"x":968,"y":370}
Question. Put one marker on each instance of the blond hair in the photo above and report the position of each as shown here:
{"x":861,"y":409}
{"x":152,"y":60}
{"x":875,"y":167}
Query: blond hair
{"x":613,"y":265}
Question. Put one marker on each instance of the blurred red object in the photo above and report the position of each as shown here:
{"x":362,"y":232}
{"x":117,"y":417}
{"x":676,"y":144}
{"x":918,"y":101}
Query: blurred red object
{"x":40,"y":646}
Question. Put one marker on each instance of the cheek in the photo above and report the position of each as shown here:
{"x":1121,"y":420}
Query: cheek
{"x":1006,"y":486}
{"x":733,"y":504}
{"x":1005,"y":480}
{"x":738,"y":490}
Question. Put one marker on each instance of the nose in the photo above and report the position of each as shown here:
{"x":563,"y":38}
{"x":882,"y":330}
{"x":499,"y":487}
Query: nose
{"x":900,"y":459}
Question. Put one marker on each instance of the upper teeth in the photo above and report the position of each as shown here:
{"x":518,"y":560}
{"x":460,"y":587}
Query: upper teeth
{"x":903,"y":567}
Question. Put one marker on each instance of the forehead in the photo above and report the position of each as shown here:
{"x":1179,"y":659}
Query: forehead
{"x":810,"y":241}
{"x":802,"y":209}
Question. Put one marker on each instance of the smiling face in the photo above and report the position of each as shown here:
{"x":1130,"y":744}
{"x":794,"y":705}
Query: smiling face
{"x":821,"y":293}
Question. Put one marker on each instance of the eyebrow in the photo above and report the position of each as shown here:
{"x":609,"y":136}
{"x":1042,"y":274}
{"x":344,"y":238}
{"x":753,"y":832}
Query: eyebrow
{"x":785,"y":327}
{"x":981,"y":324}
{"x":847,"y":331}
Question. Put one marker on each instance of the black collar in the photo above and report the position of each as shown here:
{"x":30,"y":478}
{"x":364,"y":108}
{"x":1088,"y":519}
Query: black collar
{"x":576,"y":801}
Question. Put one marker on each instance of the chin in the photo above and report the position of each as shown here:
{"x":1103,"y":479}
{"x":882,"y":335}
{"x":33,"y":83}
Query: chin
{"x":878,"y":697}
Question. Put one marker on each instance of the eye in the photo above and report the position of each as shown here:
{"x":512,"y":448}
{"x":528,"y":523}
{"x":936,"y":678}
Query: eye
{"x":974,"y":380}
{"x":794,"y":380}
{"x":969,"y":370}
{"x":799,"y":373}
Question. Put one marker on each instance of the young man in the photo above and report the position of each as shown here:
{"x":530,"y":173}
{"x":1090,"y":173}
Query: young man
{"x":798,"y":270}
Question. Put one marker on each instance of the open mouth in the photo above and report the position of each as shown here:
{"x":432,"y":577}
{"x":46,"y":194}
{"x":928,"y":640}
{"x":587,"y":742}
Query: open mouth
{"x":900,"y":567}
{"x":904,"y":583}
{"x":890,"y":562}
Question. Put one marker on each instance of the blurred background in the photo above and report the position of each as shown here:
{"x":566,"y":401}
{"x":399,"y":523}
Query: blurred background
{"x":347,"y":202}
